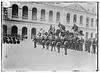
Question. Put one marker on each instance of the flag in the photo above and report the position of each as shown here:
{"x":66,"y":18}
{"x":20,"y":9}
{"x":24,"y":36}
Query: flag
{"x":75,"y":27}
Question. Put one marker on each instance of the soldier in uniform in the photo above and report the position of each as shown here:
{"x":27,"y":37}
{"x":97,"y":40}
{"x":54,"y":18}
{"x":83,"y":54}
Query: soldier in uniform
{"x":47,"y":42}
{"x":94,"y":46}
{"x":86,"y":45}
{"x":81,"y":43}
{"x":74,"y":44}
{"x":58,"y":44}
{"x":43,"y":42}
{"x":77,"y":44}
{"x":53,"y":43}
{"x":89,"y":45}
{"x":35,"y":41}
{"x":66,"y":46}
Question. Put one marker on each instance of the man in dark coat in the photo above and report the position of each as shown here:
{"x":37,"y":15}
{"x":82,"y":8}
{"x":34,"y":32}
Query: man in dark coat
{"x":89,"y":45}
{"x":86,"y":45}
{"x":47,"y":42}
{"x":94,"y":46}
{"x":43,"y":42}
{"x":35,"y":41}
{"x":53,"y":44}
{"x":81,"y":43}
{"x":66,"y":46}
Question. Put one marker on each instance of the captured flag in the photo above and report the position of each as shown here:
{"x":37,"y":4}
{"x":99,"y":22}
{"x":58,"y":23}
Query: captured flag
{"x":75,"y":27}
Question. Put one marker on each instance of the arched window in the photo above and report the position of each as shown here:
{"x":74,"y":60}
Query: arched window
{"x":81,"y":19}
{"x":91,"y":35}
{"x":24,"y":32}
{"x":15,"y":11}
{"x":14,"y":30}
{"x":58,"y":17}
{"x":68,"y":17}
{"x":50,"y":16}
{"x":87,"y":22}
{"x":75,"y":18}
{"x":33,"y":32}
{"x":4,"y":30}
{"x":25,"y":12}
{"x":43,"y":14}
{"x":86,"y":35}
{"x":34,"y":14}
{"x":92,"y":21}
{"x":5,"y":12}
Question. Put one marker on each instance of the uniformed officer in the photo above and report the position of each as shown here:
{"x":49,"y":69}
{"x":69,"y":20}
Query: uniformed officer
{"x":35,"y":41}
{"x":89,"y":45}
{"x":43,"y":42}
{"x":74,"y":44}
{"x":81,"y":43}
{"x":58,"y":44}
{"x":66,"y":46}
{"x":86,"y":45}
{"x":77,"y":44}
{"x":53,"y":44}
{"x":94,"y":46}
{"x":47,"y":42}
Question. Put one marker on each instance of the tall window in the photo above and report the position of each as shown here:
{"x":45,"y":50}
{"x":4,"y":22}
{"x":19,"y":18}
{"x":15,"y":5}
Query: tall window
{"x":50,"y":16}
{"x":92,"y":20}
{"x":15,"y":11}
{"x":75,"y":18}
{"x":87,"y":22}
{"x":25,"y":12}
{"x":81,"y":19}
{"x":58,"y":17}
{"x":68,"y":17}
{"x":5,"y":12}
{"x":34,"y":14}
{"x":91,"y":35}
{"x":43,"y":14}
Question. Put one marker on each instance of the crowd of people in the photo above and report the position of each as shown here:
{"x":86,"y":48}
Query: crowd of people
{"x":57,"y":39}
{"x":60,"y":38}
{"x":11,"y":39}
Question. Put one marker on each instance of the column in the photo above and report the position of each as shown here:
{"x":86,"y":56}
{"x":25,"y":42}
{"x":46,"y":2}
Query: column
{"x":54,"y":17}
{"x":38,"y":15}
{"x":30,"y":15}
{"x":10,"y":12}
{"x":29,"y":33}
{"x":8,"y":31}
{"x":20,"y":31}
{"x":47,"y":16}
{"x":20,"y":14}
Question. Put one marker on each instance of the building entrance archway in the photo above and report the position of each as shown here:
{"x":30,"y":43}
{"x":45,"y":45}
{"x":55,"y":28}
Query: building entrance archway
{"x":24,"y":32}
{"x":4,"y":30}
{"x":33,"y":32}
{"x":14,"y":30}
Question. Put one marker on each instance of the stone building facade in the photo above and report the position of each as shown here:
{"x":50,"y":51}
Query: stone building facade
{"x":28,"y":18}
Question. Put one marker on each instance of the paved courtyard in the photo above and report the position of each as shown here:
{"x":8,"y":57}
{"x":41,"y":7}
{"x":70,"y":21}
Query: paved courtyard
{"x":24,"y":57}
